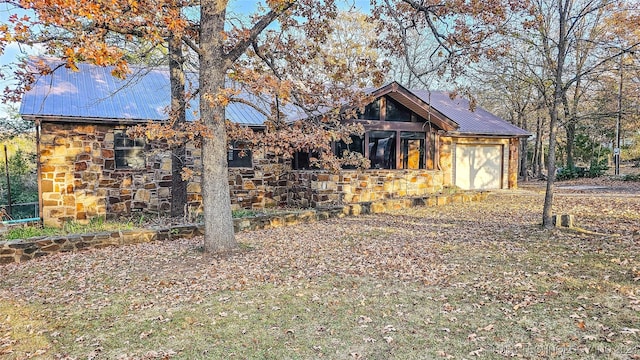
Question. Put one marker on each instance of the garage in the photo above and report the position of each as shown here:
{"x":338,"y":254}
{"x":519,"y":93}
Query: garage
{"x":478,"y":166}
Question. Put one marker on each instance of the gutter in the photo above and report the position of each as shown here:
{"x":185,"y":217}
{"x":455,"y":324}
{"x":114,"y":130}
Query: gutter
{"x":107,"y":121}
{"x":497,"y":136}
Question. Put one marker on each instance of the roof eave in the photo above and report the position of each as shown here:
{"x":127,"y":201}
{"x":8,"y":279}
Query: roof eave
{"x":458,"y":134}
{"x":107,"y":121}
{"x":84,"y":119}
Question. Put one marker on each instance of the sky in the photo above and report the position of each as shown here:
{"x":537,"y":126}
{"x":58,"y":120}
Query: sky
{"x":13,"y":51}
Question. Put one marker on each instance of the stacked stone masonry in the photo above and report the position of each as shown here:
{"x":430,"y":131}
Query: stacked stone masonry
{"x":15,"y":251}
{"x":80,"y":180}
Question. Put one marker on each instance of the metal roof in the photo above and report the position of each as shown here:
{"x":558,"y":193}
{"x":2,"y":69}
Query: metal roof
{"x":476,"y":122}
{"x":93,"y":93}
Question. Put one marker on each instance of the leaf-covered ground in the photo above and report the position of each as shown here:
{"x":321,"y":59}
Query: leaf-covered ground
{"x":475,"y":280}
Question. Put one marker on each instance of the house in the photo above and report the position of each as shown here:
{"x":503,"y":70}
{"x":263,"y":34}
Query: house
{"x":418,"y":142}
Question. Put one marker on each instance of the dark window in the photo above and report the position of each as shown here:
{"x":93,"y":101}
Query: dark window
{"x":431,"y":151}
{"x":302,"y":160}
{"x":371,"y":111}
{"x":396,"y":111}
{"x":239,"y":155}
{"x":356,"y":146}
{"x":129,"y":153}
{"x":382,"y":149}
{"x":412,"y":148}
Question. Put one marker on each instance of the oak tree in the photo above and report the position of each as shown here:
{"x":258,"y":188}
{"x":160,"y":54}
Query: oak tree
{"x":255,"y":53}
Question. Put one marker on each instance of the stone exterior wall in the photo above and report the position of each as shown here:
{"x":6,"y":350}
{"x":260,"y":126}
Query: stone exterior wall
{"x":321,"y":188}
{"x":15,"y":251}
{"x":514,"y":162}
{"x":262,"y":186}
{"x":445,"y":159}
{"x":79,"y":178}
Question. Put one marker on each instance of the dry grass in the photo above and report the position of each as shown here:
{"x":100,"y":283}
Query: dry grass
{"x":473,"y":280}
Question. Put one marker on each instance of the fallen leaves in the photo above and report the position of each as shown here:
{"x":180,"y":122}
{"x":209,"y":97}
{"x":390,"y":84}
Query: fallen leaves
{"x":472,"y":280}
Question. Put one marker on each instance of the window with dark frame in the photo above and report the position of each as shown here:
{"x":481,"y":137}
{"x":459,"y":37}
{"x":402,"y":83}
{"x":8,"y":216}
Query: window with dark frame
{"x":382,"y":149}
{"x":396,"y":111}
{"x":239,"y":155}
{"x":129,"y":153}
{"x":431,"y":151}
{"x":371,"y":111}
{"x":412,"y":147}
{"x":356,"y":146}
{"x":302,"y":160}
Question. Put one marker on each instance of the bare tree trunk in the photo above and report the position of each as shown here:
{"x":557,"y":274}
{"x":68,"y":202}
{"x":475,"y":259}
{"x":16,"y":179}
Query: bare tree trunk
{"x":572,"y":116}
{"x":547,"y":220}
{"x":537,"y":151}
{"x":524,"y":171}
{"x":178,"y":115}
{"x":219,"y":234}
{"x":558,"y":94}
{"x":570,"y":131}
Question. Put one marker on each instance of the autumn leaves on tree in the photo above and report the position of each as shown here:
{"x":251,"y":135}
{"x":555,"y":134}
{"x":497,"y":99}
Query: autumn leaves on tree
{"x":290,"y":52}
{"x":264,"y":54}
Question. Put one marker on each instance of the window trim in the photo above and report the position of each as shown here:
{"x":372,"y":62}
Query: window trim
{"x":422,"y":149}
{"x":233,"y":155}
{"x":129,"y":145}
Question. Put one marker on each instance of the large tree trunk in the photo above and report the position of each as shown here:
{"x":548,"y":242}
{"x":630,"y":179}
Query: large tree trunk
{"x":219,"y":235}
{"x":547,"y":220}
{"x":570,"y":129}
{"x":178,"y":114}
{"x":572,"y":123}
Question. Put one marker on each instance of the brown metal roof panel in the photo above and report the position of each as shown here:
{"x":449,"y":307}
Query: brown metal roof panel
{"x":476,"y":122}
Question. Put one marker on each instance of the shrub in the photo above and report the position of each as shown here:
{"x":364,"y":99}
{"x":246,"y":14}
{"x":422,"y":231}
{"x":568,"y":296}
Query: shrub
{"x":631,"y":177}
{"x":568,"y":173}
{"x":97,"y":224}
{"x":598,"y":167}
{"x":241,"y":213}
{"x":24,"y":187}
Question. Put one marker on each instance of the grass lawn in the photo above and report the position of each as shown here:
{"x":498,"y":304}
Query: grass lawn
{"x":475,"y":280}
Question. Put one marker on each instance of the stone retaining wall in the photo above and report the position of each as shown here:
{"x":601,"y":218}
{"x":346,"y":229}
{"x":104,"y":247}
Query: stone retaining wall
{"x":15,"y":251}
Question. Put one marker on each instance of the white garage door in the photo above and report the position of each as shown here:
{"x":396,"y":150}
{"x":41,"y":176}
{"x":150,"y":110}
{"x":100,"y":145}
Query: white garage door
{"x":478,"y":167}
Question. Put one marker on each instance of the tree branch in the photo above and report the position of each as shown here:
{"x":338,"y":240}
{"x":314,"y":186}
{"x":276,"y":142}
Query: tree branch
{"x":240,"y":47}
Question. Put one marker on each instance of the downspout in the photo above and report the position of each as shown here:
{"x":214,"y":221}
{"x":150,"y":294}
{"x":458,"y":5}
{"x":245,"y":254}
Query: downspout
{"x":39,"y":170}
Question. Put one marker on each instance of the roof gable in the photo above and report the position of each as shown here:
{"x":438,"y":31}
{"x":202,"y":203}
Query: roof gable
{"x":453,"y":115}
